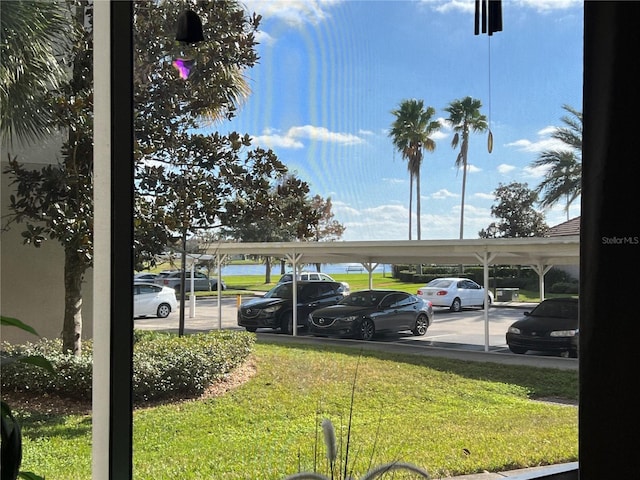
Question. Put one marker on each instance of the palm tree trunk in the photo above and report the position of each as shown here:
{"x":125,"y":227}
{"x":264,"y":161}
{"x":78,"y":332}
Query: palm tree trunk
{"x":418,"y":204}
{"x":410,"y":200}
{"x":464,"y":187}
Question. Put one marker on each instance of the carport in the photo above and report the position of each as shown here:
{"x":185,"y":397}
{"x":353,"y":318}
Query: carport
{"x":539,"y":253}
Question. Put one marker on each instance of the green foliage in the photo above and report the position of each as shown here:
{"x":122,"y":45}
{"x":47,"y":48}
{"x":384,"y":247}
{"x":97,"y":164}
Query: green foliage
{"x":563,"y":177}
{"x":164,"y":366}
{"x":411,"y":133}
{"x":515,"y":213}
{"x":10,"y":427}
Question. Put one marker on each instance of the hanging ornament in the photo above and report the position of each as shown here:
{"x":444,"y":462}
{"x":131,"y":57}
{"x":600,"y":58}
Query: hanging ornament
{"x":490,"y":142}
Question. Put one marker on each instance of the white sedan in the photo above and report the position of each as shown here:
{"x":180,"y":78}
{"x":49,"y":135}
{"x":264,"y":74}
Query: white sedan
{"x":455,"y":293}
{"x":153,"y":300}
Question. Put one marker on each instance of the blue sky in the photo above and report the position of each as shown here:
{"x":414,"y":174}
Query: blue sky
{"x":331,"y":71}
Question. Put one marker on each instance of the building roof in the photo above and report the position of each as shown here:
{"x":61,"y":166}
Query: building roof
{"x":570,"y":227}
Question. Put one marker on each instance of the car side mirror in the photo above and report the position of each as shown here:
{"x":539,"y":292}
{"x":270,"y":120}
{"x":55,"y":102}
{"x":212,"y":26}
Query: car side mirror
{"x":526,"y":314}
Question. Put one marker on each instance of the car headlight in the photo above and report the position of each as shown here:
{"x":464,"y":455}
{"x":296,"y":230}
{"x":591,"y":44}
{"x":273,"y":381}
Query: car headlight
{"x":349,"y":319}
{"x":564,"y":333}
{"x":515,"y":330}
{"x":272,"y":309}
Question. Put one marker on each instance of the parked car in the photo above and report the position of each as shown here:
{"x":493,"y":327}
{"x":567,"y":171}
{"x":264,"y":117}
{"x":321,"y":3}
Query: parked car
{"x":275,"y":308}
{"x":200,"y":281}
{"x":552,"y":326}
{"x":311,"y":277}
{"x":144,"y":277}
{"x":455,"y":293}
{"x":151,"y":300}
{"x":363,"y":314}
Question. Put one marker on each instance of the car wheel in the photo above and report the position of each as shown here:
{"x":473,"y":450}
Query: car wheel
{"x":164,"y":309}
{"x":367,"y":330}
{"x":421,"y":326}
{"x":251,"y":329}
{"x":456,"y":305}
{"x":286,"y":324}
{"x":518,"y":350}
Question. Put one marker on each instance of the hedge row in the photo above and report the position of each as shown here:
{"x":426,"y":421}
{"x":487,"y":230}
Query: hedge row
{"x":164,"y":365}
{"x":556,"y":280}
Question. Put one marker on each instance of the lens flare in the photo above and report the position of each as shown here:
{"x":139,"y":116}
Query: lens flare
{"x":183,"y":66}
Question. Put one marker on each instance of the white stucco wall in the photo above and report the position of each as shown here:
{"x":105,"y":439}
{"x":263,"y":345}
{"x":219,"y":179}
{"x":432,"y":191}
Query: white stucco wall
{"x":32,"y":279}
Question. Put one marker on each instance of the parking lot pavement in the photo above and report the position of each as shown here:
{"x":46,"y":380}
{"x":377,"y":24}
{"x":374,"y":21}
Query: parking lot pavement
{"x":455,"y":335}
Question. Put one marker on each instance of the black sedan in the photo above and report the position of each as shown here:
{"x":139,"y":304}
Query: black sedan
{"x":275,"y":309}
{"x":552,"y":326}
{"x":365,"y":313}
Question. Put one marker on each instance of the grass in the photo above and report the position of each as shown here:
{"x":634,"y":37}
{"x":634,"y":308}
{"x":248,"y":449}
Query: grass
{"x":239,"y":284}
{"x":449,"y":417}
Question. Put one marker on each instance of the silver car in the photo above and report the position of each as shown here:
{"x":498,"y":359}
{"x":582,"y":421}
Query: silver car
{"x":200,"y":282}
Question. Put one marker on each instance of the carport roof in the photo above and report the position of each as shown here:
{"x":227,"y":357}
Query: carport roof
{"x":497,"y":251}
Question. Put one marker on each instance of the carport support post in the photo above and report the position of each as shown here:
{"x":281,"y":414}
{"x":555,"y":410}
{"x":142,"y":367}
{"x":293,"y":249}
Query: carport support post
{"x":219,"y":260}
{"x":294,"y":259}
{"x":370,"y":267}
{"x":486,"y":258}
{"x":192,"y":297}
{"x":541,"y":270}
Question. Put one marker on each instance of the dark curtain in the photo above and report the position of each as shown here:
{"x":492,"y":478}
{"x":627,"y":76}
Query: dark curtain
{"x":610,"y":244}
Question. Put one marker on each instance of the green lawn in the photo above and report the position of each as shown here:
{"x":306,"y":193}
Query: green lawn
{"x":237,"y":284}
{"x":449,"y":417}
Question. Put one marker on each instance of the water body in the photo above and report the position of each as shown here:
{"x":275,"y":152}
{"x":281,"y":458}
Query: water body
{"x":330,"y":268}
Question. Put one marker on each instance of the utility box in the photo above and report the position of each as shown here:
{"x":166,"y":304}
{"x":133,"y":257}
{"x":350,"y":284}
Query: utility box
{"x":507,"y":294}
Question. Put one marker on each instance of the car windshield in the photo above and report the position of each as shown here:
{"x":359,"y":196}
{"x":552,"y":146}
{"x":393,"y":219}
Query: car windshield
{"x":362,"y":299}
{"x":439,"y":283}
{"x":556,"y":309}
{"x":284,"y":290}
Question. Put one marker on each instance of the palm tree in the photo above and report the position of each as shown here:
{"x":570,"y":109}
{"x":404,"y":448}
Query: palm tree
{"x":563,"y":178}
{"x":464,"y":117}
{"x":33,"y":35}
{"x":411,"y":134}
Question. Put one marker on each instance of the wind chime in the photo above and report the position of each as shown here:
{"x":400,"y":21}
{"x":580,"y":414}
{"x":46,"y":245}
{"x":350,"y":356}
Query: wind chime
{"x":488,"y":19}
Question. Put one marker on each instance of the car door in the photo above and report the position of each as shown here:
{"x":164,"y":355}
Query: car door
{"x":474,"y":293}
{"x":145,"y":299}
{"x":389,"y":315}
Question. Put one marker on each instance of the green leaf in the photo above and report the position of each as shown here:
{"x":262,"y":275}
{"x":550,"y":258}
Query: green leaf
{"x":30,"y":476}
{"x":38,"y":361}
{"x":14,"y":322}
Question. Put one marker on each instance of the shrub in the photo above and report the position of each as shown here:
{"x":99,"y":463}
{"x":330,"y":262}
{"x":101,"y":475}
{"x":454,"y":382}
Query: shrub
{"x":164,"y":365}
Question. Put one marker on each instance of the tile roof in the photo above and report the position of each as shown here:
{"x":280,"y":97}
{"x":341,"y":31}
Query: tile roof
{"x":570,"y":227}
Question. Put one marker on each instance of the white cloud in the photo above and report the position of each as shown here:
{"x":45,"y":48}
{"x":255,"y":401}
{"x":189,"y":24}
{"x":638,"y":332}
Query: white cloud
{"x":296,"y":13}
{"x":264,"y":38}
{"x":536,"y":172}
{"x":292,"y":138}
{"x":542,"y":143}
{"x":271,"y":139}
{"x":473,"y":169}
{"x":484,"y":196}
{"x":365,"y":132}
{"x":394,"y":181}
{"x":504,"y":169}
{"x":442,"y":194}
{"x":324,"y":135}
{"x":468,"y":6}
